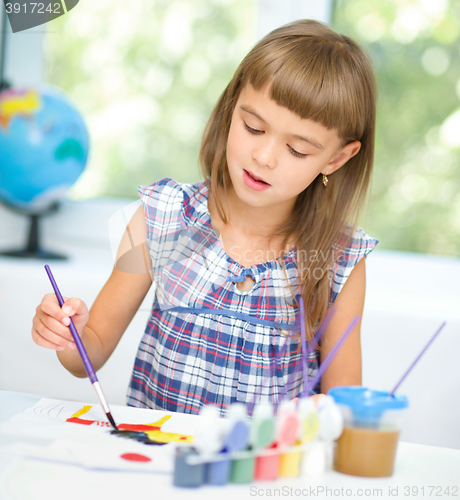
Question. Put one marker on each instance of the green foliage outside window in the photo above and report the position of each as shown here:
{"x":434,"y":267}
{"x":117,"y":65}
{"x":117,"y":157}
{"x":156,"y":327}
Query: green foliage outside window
{"x":414,"y":44}
{"x":146,"y":75}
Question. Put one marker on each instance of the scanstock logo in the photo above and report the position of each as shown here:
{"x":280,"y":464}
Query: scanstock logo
{"x":27,"y":14}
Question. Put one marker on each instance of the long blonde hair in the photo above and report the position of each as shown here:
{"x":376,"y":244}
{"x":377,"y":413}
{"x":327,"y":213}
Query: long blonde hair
{"x":326,"y":77}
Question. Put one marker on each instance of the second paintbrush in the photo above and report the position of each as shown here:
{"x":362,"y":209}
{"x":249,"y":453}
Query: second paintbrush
{"x":84,"y":356}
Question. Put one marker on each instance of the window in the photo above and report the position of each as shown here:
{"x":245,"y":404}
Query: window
{"x":146,"y":78}
{"x":415,"y":203}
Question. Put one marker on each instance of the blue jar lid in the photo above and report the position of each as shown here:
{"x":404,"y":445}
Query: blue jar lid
{"x":359,"y":397}
{"x":367,"y":405}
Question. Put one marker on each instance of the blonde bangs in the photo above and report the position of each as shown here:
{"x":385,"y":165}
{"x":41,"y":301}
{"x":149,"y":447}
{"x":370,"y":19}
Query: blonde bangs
{"x":312,"y":78}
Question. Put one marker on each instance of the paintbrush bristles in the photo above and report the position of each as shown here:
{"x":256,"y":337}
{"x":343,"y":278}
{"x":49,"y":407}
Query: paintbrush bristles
{"x":111,"y":420}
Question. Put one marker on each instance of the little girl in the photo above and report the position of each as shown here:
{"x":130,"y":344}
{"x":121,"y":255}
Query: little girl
{"x":287,"y":157}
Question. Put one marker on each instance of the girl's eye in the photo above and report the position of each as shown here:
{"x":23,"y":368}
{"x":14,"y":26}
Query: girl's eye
{"x":296,"y":153}
{"x":257,"y":132}
{"x":252,"y":130}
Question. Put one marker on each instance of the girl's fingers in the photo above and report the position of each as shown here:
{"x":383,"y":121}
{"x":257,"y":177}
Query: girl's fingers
{"x":52,"y":335}
{"x":40,"y":341}
{"x":51,"y":323}
{"x":51,"y":307}
{"x":74,"y":306}
{"x":58,"y":327}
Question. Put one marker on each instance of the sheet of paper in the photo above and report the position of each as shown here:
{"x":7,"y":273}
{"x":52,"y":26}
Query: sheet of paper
{"x":79,"y":434}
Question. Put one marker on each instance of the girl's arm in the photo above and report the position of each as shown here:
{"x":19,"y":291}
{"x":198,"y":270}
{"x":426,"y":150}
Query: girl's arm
{"x":346,"y":367}
{"x":112,"y":311}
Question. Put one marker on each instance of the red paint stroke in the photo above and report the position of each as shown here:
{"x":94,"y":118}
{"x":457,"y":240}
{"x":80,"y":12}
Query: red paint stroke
{"x":82,"y":421}
{"x":138,"y":427}
{"x":135,"y":457}
{"x":122,"y":427}
{"x":77,"y":420}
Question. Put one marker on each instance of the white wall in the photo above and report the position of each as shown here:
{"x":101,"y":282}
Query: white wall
{"x":408,"y":296}
{"x":24,"y":54}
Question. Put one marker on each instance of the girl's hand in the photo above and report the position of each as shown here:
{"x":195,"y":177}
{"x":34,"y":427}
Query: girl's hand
{"x":51,"y":323}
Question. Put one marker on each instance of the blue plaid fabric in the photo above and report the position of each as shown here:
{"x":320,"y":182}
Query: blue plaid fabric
{"x":206,"y":341}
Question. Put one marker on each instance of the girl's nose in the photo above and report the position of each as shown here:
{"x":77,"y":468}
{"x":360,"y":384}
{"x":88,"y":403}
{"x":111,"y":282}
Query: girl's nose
{"x":265,"y":155}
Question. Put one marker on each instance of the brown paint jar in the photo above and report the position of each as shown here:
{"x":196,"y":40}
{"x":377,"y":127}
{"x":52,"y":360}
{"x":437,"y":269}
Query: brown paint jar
{"x":372,"y":423}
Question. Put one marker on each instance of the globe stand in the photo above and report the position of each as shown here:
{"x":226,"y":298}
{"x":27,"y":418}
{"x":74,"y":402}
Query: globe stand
{"x":33,"y":249}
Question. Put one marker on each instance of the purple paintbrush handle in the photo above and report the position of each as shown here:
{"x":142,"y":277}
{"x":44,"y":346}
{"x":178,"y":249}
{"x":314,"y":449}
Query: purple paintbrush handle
{"x":323,"y":366}
{"x":417,"y":359}
{"x":81,"y":348}
{"x":84,"y":356}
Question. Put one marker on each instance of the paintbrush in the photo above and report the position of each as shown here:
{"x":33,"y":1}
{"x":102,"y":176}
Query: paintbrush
{"x":416,"y":360}
{"x":327,"y":361}
{"x":306,"y":349}
{"x":84,"y":356}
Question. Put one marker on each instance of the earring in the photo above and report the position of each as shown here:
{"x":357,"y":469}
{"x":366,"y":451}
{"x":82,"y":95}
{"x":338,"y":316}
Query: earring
{"x":325,"y":179}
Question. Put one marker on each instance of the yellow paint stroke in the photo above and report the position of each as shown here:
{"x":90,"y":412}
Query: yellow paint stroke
{"x":168,"y":437}
{"x":156,"y":434}
{"x":81,"y":412}
{"x":162,"y":420}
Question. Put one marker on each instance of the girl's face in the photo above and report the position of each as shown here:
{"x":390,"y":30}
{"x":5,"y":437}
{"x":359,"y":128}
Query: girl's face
{"x":273,"y":154}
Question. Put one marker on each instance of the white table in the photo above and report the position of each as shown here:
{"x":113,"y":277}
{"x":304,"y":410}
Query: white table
{"x":429,"y":469}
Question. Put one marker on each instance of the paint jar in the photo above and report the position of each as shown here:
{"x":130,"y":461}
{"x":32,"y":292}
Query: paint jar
{"x":242,"y":470}
{"x":267,"y":466}
{"x":290,"y":462}
{"x":372,"y":423}
{"x":186,"y":475}
{"x":218,"y":472}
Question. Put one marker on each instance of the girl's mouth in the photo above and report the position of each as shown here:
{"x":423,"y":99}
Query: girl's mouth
{"x":254,"y":182}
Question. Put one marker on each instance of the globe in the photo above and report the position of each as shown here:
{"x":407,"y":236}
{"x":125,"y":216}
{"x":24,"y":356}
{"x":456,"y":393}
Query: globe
{"x":44,"y":148}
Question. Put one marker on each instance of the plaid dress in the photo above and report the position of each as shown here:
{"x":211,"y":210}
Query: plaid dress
{"x":206,"y":341}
